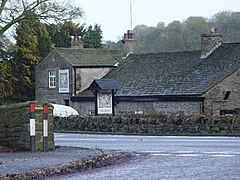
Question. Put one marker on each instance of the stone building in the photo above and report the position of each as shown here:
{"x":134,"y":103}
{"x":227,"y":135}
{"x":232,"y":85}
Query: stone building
{"x":65,"y":72}
{"x":203,"y":81}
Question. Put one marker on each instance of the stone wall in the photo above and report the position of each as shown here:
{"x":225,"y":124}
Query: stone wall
{"x":55,"y":62}
{"x":84,"y":108}
{"x":190,"y":107}
{"x":214,"y":98}
{"x":158,"y":107}
{"x":14,"y":127}
{"x":158,"y":125}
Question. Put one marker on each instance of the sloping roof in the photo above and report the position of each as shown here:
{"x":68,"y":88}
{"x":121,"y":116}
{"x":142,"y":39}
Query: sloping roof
{"x":180,"y":73}
{"x":89,"y":57}
{"x":105,"y":84}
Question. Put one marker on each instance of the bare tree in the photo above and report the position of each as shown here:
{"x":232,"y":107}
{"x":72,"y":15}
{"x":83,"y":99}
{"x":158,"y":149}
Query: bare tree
{"x":14,"y":11}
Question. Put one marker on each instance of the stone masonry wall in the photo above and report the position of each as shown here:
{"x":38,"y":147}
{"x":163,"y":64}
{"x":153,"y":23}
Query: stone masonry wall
{"x":53,"y":61}
{"x":15,"y":130}
{"x":159,"y":107}
{"x":214,"y":98}
{"x":86,"y":108}
{"x":154,"y":125}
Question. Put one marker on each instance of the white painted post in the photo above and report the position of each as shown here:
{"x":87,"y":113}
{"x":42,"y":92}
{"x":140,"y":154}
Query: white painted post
{"x":32,"y":127}
{"x":45,"y":127}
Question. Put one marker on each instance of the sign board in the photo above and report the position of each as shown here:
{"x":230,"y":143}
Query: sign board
{"x":64,"y":81}
{"x":104,"y":102}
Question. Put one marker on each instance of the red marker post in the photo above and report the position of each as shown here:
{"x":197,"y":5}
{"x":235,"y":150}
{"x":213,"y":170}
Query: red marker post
{"x":32,"y":127}
{"x":45,"y":127}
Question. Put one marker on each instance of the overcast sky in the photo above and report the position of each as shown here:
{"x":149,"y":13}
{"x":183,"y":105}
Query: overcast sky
{"x":114,"y":15}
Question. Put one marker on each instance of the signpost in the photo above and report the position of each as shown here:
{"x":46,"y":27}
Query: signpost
{"x":45,"y":127}
{"x":32,"y":126}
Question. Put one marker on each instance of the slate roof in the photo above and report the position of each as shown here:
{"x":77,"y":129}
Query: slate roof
{"x":180,"y":73}
{"x":105,"y":84}
{"x":89,"y":57}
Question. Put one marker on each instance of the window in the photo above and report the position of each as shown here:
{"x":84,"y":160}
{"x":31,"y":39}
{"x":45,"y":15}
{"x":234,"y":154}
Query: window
{"x":52,"y":78}
{"x":226,"y":95}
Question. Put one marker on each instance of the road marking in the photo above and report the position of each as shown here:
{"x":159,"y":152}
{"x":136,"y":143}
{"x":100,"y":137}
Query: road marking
{"x":192,"y":154}
{"x":188,"y":155}
{"x":216,"y":152}
{"x":161,"y":154}
{"x":184,"y":152}
{"x":222,"y":155}
{"x":200,"y":140}
{"x":85,"y":139}
{"x":152,"y":151}
{"x":222,"y":152}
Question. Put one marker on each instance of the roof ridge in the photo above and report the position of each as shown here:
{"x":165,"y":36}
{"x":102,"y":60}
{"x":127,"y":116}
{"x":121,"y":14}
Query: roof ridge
{"x":176,"y":52}
{"x":230,"y":43}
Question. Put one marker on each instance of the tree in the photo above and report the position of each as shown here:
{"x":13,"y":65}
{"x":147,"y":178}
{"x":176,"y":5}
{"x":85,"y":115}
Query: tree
{"x":32,"y":44}
{"x":6,"y":78}
{"x":5,"y":43}
{"x":193,"y":28}
{"x":61,"y":32}
{"x":92,"y":38}
{"x":229,"y":25}
{"x":44,"y":40}
{"x":149,"y":39}
{"x":15,"y":11}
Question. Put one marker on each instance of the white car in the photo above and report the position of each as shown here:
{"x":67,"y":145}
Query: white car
{"x":63,"y":111}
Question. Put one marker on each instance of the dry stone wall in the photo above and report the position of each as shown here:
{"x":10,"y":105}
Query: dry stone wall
{"x":159,"y":125}
{"x":15,"y":128}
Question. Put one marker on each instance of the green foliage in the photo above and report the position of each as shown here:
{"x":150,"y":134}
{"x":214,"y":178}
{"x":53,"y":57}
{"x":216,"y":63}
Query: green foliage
{"x":14,"y":11}
{"x":62,"y":32}
{"x":185,"y":36}
{"x":229,"y":24}
{"x":44,"y":40}
{"x":92,"y":38}
{"x":32,"y":44}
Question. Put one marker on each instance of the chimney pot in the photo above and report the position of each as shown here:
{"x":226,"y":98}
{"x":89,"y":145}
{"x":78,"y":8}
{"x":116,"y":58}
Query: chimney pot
{"x":76,"y":42}
{"x":129,"y":43}
{"x":210,"y":42}
{"x":214,"y":30}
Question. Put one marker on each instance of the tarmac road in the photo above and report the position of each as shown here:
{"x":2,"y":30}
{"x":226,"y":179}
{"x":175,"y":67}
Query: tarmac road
{"x":165,"y":157}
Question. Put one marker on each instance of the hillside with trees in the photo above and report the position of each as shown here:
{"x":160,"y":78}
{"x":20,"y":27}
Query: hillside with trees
{"x":185,"y":36}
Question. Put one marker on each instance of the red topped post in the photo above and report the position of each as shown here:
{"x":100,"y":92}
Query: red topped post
{"x":32,"y":126}
{"x":45,"y":127}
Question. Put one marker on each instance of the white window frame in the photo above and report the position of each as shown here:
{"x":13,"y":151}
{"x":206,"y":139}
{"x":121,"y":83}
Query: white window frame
{"x":52,"y":79}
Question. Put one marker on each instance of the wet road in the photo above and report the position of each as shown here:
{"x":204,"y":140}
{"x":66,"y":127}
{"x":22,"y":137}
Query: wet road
{"x":168,"y":157}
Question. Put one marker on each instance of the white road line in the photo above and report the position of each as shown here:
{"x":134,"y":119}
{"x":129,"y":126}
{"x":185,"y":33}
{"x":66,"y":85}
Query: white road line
{"x":183,"y":152}
{"x":152,"y":151}
{"x":192,"y":154}
{"x":85,"y":139}
{"x":221,"y":152}
{"x":161,"y":154}
{"x":201,"y":140}
{"x":188,"y":155}
{"x":222,"y":155}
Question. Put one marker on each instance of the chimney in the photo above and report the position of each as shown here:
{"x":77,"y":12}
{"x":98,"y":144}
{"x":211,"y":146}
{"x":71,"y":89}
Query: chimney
{"x":210,"y":42}
{"x":76,"y":42}
{"x":129,"y":43}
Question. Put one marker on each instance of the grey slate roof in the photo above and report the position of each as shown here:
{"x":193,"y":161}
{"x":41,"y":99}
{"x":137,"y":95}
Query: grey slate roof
{"x":89,"y":57}
{"x":105,"y":84}
{"x":180,"y":73}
